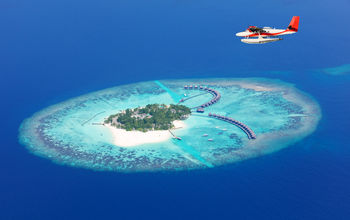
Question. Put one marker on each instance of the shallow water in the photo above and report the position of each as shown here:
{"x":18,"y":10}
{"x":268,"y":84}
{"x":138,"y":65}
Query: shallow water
{"x":71,"y":132}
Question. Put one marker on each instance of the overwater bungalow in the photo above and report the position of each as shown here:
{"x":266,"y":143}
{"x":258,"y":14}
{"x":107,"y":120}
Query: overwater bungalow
{"x":242,"y":126}
{"x":200,"y":110}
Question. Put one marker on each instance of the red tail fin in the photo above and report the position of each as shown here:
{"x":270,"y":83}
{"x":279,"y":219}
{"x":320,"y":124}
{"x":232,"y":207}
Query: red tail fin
{"x":294,"y":24}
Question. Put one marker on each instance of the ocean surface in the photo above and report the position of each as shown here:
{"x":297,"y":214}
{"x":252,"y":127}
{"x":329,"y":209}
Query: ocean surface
{"x":53,"y":51}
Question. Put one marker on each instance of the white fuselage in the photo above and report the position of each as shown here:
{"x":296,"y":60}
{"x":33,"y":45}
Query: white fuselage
{"x":264,"y":35}
{"x":267,"y":31}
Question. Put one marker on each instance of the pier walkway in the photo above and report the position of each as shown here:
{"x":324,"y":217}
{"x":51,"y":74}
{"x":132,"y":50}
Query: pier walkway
{"x":243,"y":127}
{"x":82,"y":124}
{"x":215,"y":99}
{"x":174,"y":136}
{"x":191,"y":97}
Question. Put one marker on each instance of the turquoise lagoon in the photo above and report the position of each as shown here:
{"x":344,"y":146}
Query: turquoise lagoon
{"x":71,"y":133}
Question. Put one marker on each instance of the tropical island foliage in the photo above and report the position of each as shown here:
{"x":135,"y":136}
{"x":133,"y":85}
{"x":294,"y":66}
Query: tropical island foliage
{"x":150,"y":117}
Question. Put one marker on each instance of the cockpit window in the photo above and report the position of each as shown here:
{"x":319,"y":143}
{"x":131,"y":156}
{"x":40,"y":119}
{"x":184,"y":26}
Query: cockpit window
{"x":255,"y":29}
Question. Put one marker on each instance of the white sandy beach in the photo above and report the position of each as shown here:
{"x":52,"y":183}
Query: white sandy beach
{"x":123,"y":138}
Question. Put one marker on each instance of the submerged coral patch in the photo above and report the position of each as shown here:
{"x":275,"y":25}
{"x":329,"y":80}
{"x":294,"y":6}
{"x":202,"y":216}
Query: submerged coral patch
{"x":338,"y":70}
{"x":73,"y":132}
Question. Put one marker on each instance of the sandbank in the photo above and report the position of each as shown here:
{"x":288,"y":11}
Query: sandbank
{"x":123,"y":138}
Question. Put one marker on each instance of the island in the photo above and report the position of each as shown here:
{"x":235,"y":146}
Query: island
{"x":149,"y":118}
{"x":121,"y":129}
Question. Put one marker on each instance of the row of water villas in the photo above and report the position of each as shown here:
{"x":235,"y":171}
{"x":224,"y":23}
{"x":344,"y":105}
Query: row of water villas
{"x":245,"y":128}
{"x":215,"y":94}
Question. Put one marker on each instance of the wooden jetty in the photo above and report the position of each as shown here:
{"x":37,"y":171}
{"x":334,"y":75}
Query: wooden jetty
{"x":243,"y":127}
{"x":215,"y":99}
{"x":174,"y":136}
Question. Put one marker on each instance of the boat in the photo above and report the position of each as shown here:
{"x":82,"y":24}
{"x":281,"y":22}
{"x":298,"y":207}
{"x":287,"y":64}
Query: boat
{"x":205,"y":135}
{"x":210,"y":139}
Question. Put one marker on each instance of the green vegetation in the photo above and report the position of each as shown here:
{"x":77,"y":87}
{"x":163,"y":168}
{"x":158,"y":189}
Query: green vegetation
{"x":150,"y":117}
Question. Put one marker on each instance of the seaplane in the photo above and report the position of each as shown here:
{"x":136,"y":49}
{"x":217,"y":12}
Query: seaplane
{"x":257,"y":35}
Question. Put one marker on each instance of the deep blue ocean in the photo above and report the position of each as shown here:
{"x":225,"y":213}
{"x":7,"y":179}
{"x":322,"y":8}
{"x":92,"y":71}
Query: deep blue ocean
{"x":54,"y":50}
